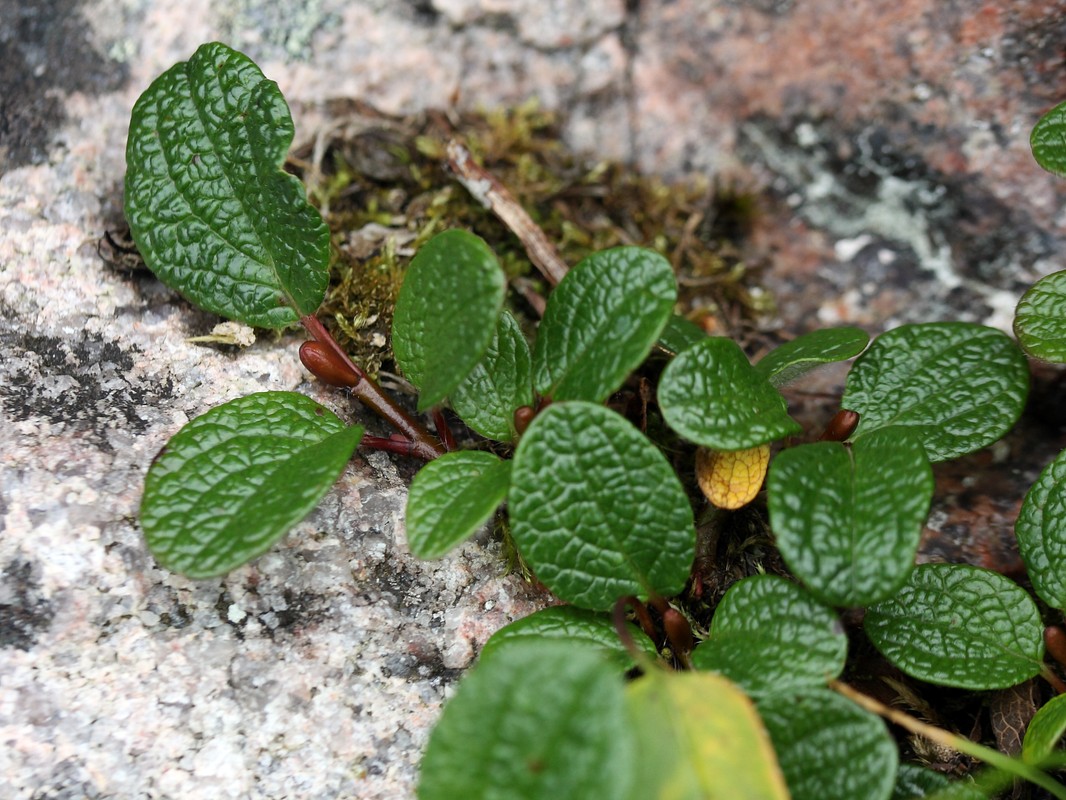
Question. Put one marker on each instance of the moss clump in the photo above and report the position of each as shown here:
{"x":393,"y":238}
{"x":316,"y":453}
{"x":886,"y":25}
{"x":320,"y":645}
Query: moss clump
{"x":381,"y":184}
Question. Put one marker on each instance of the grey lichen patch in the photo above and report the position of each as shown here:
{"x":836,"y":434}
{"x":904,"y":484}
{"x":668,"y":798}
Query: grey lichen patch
{"x":868,"y":183}
{"x":82,"y":384}
{"x":45,"y":53}
{"x":288,"y":27}
{"x":24,"y":612}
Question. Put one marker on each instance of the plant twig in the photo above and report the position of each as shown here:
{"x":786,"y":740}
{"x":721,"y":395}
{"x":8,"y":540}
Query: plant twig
{"x":955,"y":742}
{"x":422,"y":443}
{"x":487,"y":190}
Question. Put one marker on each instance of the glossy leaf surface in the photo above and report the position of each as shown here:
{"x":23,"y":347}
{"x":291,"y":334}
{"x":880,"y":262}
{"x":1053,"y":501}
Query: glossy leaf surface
{"x":770,"y":635}
{"x":828,"y":747}
{"x":486,"y":398}
{"x":1041,"y":531}
{"x":209,"y":206}
{"x":451,"y":497}
{"x":914,"y":782}
{"x":1045,"y":731}
{"x":1040,"y":320}
{"x":1048,"y":140}
{"x":711,"y":395}
{"x":601,"y":322}
{"x":596,"y":510}
{"x":958,"y":625}
{"x":538,"y":721}
{"x":956,"y":385}
{"x":234,"y":480}
{"x":446,"y":313}
{"x":794,"y":359}
{"x":848,"y":519}
{"x":571,"y":624}
{"x":680,"y":334}
{"x":699,"y":737}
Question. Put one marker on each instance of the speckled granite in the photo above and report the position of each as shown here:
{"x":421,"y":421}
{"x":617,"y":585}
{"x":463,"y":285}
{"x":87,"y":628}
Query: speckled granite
{"x":890,"y":143}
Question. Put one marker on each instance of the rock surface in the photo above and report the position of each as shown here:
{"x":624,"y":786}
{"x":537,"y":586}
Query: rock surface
{"x":891,"y":147}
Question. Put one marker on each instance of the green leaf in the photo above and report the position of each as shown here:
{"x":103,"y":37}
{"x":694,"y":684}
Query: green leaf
{"x":711,"y":395}
{"x":956,"y":385}
{"x":486,"y":399}
{"x":848,"y":520}
{"x":1041,"y":531}
{"x":958,"y":625}
{"x":571,"y":624}
{"x":699,"y":737}
{"x":1040,"y":319}
{"x":234,"y":480}
{"x":539,"y":721}
{"x":209,"y":206}
{"x":680,"y":334}
{"x":446,"y":313}
{"x":769,"y":635}
{"x":790,"y":360}
{"x":451,"y":497}
{"x":1045,"y":731}
{"x":1048,"y":140}
{"x":601,"y":322}
{"x":828,"y":747}
{"x":596,"y":510}
{"x":914,"y":782}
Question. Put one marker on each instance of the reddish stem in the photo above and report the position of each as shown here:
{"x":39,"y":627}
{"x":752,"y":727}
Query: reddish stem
{"x":390,"y":444}
{"x":444,"y":433}
{"x":421,"y":442}
{"x":618,"y":617}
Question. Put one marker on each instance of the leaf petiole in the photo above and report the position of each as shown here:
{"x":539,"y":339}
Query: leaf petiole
{"x":418,"y":441}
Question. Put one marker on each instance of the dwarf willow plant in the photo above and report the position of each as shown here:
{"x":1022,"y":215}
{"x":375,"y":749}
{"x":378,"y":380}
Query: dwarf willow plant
{"x":595,"y":508}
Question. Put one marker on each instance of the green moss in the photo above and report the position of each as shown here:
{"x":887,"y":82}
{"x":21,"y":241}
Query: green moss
{"x":381,"y":185}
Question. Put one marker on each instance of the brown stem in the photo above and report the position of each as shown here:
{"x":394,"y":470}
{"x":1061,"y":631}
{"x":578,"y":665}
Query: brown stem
{"x":487,"y":190}
{"x":444,"y":433}
{"x":390,"y":444}
{"x":618,"y":617}
{"x":423,"y":445}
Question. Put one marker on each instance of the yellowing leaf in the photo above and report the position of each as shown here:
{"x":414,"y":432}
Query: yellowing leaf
{"x":693,"y":730}
{"x":731,"y":478}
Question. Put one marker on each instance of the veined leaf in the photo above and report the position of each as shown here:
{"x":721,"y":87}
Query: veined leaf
{"x":769,"y":635}
{"x":828,"y":747}
{"x":234,"y":480}
{"x":501,"y":382}
{"x":596,"y":510}
{"x":699,"y":738}
{"x":571,"y":624}
{"x":446,"y":313}
{"x":962,"y":626}
{"x":1045,"y":732}
{"x":1048,"y":140}
{"x":956,"y":385}
{"x":711,"y":395}
{"x":451,"y":497}
{"x":1041,"y":531}
{"x":540,"y":720}
{"x":848,"y":520}
{"x":601,"y":322}
{"x":914,"y":782}
{"x":209,"y":206}
{"x":794,"y":359}
{"x":1040,"y":320}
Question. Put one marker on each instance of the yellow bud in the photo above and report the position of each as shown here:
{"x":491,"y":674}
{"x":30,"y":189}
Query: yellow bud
{"x":731,"y":479}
